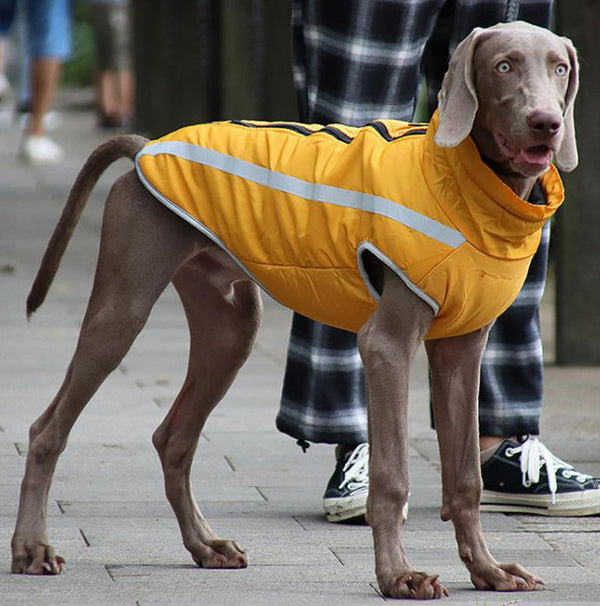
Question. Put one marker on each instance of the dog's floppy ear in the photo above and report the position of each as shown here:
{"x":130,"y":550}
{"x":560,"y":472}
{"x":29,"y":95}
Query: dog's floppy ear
{"x":457,"y":99}
{"x":566,"y":157}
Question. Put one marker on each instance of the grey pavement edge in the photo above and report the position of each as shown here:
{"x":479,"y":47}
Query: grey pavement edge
{"x":108,"y":516}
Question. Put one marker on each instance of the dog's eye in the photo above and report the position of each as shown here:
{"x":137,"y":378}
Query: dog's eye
{"x":503,"y":67}
{"x":561,"y":70}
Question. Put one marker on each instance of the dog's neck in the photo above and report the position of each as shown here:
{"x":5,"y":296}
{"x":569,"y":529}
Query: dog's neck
{"x":520,"y":184}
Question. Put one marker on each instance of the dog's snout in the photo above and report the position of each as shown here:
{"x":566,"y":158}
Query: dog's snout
{"x":544,"y":122}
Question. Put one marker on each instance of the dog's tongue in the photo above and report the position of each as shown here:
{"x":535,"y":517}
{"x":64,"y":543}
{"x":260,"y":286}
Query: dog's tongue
{"x":539,"y":154}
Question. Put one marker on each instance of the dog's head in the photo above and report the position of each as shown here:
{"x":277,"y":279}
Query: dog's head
{"x":512,"y":87}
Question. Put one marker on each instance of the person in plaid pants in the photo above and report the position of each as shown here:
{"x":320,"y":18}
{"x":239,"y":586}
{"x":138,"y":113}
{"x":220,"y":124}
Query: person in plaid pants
{"x":356,"y":61}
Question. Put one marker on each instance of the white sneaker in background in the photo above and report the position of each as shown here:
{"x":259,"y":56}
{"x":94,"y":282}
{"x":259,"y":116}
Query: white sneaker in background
{"x":6,"y":102}
{"x":40,"y":150}
{"x":5,"y":89}
{"x":51,"y":121}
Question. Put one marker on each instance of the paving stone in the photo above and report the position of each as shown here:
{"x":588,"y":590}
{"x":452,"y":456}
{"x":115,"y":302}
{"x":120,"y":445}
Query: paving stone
{"x":430,"y":558}
{"x":583,"y":547}
{"x":90,"y":584}
{"x":257,"y":585}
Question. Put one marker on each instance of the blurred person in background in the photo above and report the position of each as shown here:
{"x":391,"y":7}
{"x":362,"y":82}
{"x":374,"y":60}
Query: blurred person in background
{"x":7,"y":11}
{"x":48,"y":42}
{"x":357,"y":61}
{"x":110,"y":21}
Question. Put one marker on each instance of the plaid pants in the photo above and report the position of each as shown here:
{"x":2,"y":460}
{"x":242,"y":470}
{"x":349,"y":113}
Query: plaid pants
{"x":357,"y":60}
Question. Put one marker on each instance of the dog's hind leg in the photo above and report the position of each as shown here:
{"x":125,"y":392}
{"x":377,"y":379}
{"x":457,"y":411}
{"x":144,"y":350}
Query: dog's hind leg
{"x":223,"y":327}
{"x":142,"y":246}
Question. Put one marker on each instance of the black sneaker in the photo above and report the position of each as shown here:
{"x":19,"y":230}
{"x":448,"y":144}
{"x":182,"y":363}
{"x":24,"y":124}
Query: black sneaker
{"x":345,"y":498}
{"x":525,"y":477}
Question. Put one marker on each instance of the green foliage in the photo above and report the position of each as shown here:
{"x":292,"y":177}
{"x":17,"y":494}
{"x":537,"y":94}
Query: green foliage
{"x":78,"y":70}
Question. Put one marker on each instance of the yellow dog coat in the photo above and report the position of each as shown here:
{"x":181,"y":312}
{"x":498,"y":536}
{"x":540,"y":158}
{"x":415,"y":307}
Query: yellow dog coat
{"x":299,"y":205}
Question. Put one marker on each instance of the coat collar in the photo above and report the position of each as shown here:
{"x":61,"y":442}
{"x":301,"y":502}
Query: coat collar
{"x":487,"y":212}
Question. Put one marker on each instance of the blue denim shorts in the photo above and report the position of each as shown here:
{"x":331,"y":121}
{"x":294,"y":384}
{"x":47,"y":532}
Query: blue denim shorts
{"x":49,"y":27}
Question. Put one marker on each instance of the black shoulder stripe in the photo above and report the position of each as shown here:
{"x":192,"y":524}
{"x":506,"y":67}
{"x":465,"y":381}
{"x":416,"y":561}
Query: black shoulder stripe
{"x":298,"y":128}
{"x":335,"y":132}
{"x":381,"y":129}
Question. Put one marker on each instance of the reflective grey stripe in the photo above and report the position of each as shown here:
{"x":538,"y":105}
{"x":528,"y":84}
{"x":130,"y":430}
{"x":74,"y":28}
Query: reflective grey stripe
{"x":316,"y":192}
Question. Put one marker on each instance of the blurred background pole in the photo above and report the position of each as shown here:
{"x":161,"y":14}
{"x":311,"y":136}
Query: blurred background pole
{"x":257,"y":60}
{"x":242,"y":45}
{"x":577,"y":237}
{"x":280,"y":98}
{"x":176,"y":63}
{"x":203,"y":60}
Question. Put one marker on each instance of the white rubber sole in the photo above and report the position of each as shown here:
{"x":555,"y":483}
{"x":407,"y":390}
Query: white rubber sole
{"x":570,"y":504}
{"x":351,"y":508}
{"x":346,"y":509}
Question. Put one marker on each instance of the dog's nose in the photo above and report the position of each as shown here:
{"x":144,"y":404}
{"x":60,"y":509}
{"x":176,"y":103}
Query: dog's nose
{"x":544,"y":122}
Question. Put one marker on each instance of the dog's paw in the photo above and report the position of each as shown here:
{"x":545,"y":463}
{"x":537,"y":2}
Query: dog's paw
{"x":220,"y":554}
{"x":507,"y":577}
{"x":416,"y":585}
{"x":37,"y":559}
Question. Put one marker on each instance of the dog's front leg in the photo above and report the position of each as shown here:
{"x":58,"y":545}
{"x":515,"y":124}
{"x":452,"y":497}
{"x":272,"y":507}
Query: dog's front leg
{"x":387,"y":344}
{"x":455,"y":366}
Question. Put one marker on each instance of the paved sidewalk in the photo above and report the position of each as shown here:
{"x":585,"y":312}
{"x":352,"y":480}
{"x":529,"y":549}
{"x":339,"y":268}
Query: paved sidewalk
{"x":108,"y":516}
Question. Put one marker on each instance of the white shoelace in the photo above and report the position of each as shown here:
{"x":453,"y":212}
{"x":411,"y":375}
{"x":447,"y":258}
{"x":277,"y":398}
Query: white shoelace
{"x":534,"y":455}
{"x":356,"y":468}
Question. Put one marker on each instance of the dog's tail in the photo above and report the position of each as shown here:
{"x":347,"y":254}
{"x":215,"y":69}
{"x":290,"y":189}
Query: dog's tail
{"x":100,"y":159}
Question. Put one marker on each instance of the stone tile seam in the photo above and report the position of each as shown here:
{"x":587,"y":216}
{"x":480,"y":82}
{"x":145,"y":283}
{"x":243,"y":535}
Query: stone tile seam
{"x":85,"y":539}
{"x":295,"y":518}
{"x":261,"y":493}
